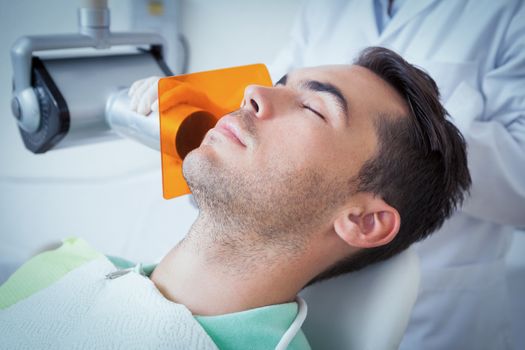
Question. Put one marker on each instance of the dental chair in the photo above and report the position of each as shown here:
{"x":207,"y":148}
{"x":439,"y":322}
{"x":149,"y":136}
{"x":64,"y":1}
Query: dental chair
{"x":364,"y":310}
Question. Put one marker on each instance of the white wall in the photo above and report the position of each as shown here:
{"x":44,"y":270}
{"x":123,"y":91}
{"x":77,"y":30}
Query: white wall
{"x":110,"y":193}
{"x":235,"y":32}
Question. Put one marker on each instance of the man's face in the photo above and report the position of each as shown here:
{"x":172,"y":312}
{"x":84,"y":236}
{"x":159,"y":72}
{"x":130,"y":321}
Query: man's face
{"x":284,"y":162}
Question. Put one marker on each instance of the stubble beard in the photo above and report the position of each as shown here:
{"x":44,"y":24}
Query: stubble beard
{"x":262,"y":211}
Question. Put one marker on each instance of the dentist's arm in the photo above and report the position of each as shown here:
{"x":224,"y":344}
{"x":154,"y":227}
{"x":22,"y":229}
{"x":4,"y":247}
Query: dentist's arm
{"x":496,"y":141}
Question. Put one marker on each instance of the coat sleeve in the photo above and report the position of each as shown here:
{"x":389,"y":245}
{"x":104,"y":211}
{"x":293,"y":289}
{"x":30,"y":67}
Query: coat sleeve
{"x":309,"y":26}
{"x":496,"y":141}
{"x":314,"y":21}
{"x":291,"y":55}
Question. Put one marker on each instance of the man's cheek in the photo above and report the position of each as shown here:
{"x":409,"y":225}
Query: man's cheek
{"x":289,"y":143}
{"x":294,"y":156}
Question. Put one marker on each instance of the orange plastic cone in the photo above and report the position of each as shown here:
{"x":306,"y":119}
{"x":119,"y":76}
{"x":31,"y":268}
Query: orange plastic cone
{"x":190,"y":105}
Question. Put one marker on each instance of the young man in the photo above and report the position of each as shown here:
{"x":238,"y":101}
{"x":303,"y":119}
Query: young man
{"x":330,"y":170}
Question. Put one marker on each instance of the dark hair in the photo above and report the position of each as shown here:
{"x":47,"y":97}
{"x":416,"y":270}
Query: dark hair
{"x":420,"y":167}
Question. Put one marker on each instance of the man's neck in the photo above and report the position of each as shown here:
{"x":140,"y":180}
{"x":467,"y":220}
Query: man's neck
{"x":213,"y":271}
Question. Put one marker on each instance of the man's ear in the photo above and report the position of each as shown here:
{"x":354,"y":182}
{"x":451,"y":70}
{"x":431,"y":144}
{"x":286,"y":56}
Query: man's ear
{"x":369,"y":223}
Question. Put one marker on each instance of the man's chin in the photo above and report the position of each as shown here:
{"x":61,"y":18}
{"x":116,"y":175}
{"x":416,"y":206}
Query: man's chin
{"x":191,"y":165}
{"x":199,"y":164}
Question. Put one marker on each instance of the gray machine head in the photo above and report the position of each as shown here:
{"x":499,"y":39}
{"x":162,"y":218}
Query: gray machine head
{"x":61,"y":101}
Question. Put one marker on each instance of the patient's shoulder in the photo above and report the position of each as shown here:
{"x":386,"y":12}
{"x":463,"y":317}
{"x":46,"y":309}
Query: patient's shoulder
{"x":46,"y":268}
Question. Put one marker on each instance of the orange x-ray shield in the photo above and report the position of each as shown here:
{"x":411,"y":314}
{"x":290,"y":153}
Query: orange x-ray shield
{"x":190,"y":105}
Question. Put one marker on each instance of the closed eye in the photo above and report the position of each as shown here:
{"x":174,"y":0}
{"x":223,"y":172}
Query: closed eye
{"x":313,"y":111}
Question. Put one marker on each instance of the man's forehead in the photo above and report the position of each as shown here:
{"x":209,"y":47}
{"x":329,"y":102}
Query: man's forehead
{"x":339,"y":73}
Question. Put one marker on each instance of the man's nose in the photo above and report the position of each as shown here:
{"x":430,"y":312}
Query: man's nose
{"x":258,"y":99}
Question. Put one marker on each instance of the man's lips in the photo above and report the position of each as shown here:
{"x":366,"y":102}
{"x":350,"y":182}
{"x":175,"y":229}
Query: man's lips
{"x":228,"y":126}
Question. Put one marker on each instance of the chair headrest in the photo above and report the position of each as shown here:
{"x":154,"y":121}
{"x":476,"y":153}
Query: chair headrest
{"x":367,"y":309}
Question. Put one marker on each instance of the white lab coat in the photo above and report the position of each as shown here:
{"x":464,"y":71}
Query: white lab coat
{"x":475,"y":50}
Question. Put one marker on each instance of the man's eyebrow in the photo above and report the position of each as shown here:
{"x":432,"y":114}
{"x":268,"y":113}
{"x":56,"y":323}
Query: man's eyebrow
{"x":333,"y":90}
{"x":315,"y":85}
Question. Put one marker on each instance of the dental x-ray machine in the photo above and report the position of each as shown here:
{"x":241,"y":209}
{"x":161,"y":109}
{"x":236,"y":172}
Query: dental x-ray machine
{"x":62,"y":101}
